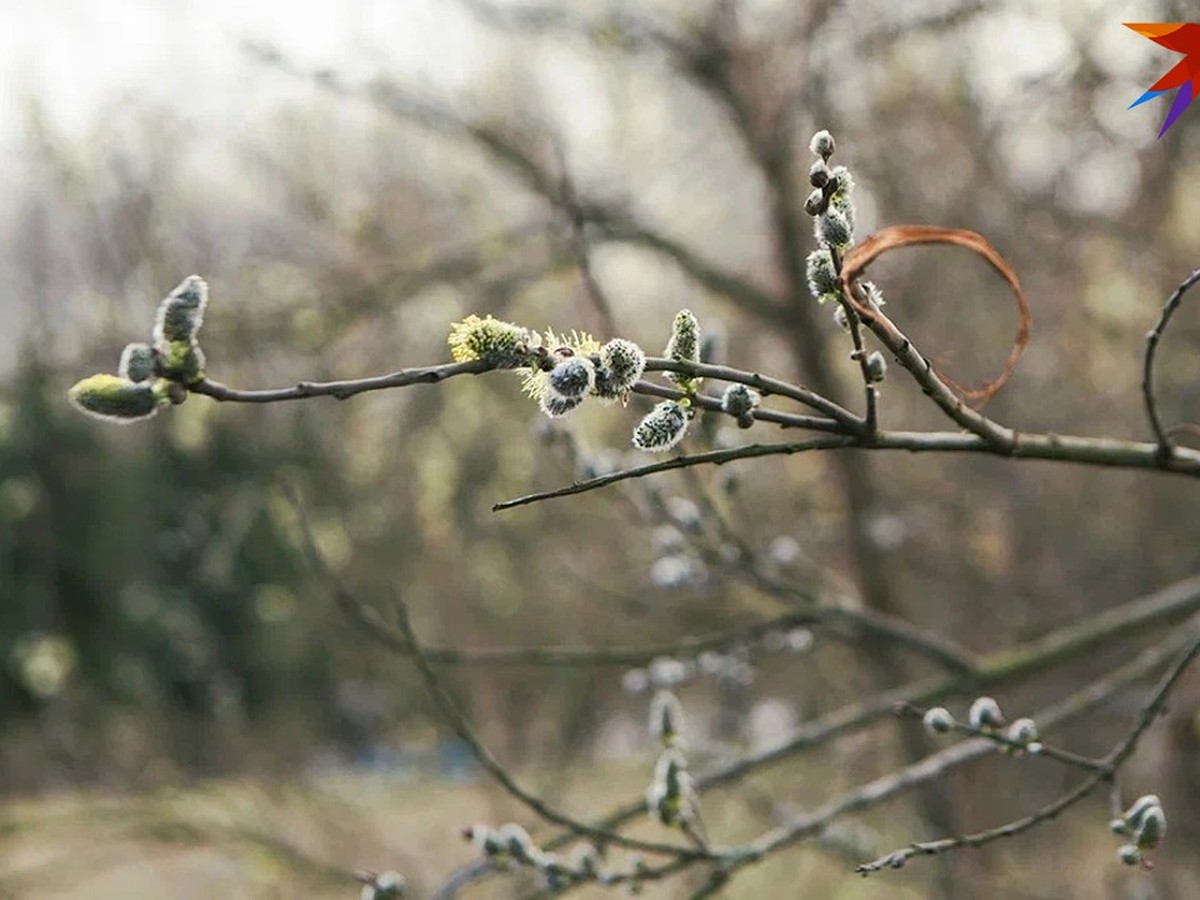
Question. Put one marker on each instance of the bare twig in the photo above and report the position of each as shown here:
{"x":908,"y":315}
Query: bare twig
{"x":1166,"y":446}
{"x":854,"y":325}
{"x":1104,"y":452}
{"x":579,"y":246}
{"x":1057,"y":648}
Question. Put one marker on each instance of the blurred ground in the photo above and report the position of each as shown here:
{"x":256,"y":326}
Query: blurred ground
{"x":304,"y":838}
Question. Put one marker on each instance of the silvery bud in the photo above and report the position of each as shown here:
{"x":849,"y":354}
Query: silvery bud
{"x":985,"y":713}
{"x":573,"y":377}
{"x":834,"y":229}
{"x":1129,"y":854}
{"x":938,"y":720}
{"x":739,"y":400}
{"x":1023,"y":731}
{"x":876,"y":367}
{"x":181,"y":313}
{"x":822,"y":275}
{"x":621,"y":365}
{"x":662,"y":428}
{"x":822,"y":144}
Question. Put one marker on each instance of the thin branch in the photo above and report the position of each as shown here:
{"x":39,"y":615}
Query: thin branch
{"x":343,"y":389}
{"x":762,"y":383}
{"x":1105,"y":771}
{"x":1152,"y":340}
{"x":1058,"y":648}
{"x":854,"y":326}
{"x":935,"y":766}
{"x":906,"y":353}
{"x":860,"y":623}
{"x":711,"y":457}
{"x":466,"y":733}
{"x":368,"y":619}
{"x":1104,"y":452}
{"x":760,"y":414}
{"x":1002,"y":740}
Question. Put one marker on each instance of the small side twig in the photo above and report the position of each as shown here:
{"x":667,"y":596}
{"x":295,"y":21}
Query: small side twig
{"x":854,"y":324}
{"x":1153,"y":337}
{"x":1002,"y":740}
{"x":569,"y":202}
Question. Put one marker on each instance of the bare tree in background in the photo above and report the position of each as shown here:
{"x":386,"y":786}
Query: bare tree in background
{"x":770,"y":90}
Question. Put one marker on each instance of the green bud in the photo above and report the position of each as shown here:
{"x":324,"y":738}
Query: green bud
{"x":670,"y":797}
{"x":518,"y":844}
{"x":662,"y":428}
{"x":840,"y":199}
{"x":181,"y":313}
{"x":504,"y":345}
{"x":137,"y":362}
{"x":845,"y":184}
{"x":117,"y":399}
{"x":814,"y":203}
{"x":1139,"y":807}
{"x":181,"y":361}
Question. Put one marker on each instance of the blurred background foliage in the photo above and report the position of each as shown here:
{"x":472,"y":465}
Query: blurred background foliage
{"x":158,"y":622}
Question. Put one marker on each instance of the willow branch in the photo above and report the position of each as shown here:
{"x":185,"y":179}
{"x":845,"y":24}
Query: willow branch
{"x":761,"y":383}
{"x":343,"y":389}
{"x":1057,"y":648}
{"x":1003,"y":741}
{"x":937,"y":765}
{"x":1103,"y":452}
{"x":1105,"y":769}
